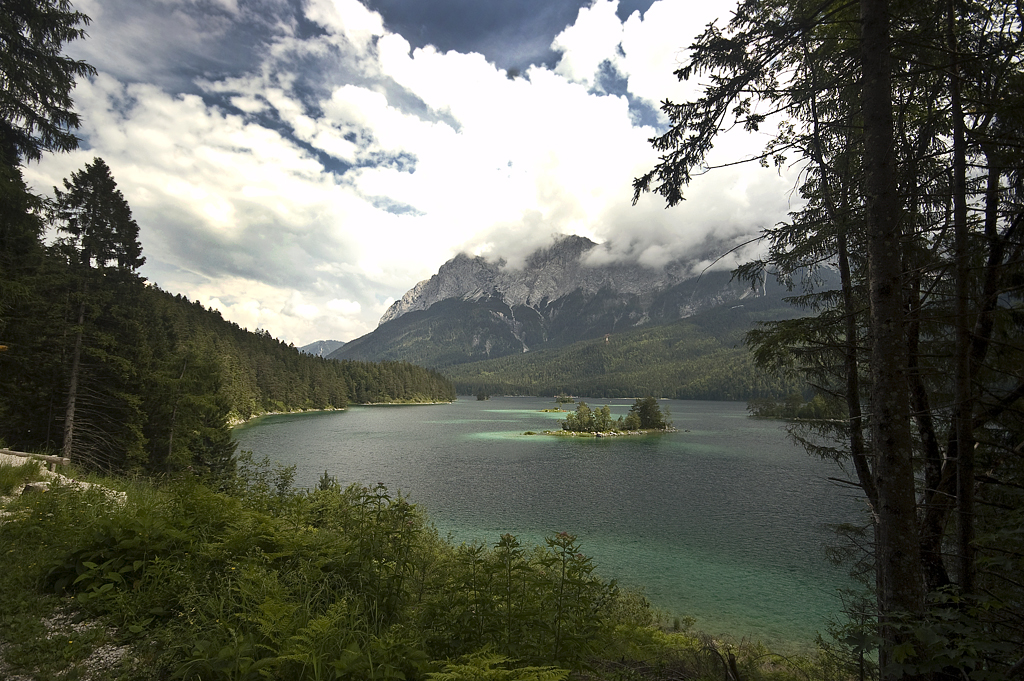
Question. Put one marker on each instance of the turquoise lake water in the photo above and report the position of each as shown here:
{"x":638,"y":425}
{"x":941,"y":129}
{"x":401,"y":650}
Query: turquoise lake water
{"x":725,"y":520}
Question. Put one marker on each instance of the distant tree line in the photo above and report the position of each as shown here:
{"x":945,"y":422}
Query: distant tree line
{"x":795,"y":407}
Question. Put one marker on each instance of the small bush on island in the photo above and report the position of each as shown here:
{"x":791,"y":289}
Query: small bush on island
{"x":645,"y":414}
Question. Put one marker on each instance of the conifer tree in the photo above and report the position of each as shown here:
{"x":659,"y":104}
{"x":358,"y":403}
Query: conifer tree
{"x":907,"y":131}
{"x":102,"y":250}
{"x":36,"y":116}
{"x":36,"y":79}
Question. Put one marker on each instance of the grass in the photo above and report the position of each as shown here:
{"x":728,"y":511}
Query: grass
{"x":13,"y":476}
{"x":258,"y":580}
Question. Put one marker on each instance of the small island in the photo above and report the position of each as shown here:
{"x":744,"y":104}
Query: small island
{"x":644,"y":416}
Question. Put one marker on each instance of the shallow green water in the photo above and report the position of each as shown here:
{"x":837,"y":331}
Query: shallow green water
{"x":724,"y":520}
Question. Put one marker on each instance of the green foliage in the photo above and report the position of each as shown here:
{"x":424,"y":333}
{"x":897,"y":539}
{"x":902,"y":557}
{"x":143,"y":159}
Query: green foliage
{"x":326,"y":584}
{"x":648,"y":414}
{"x":586,"y":420}
{"x":14,"y":475}
{"x":35,"y":100}
{"x":795,"y":407}
{"x":481,"y":667}
{"x":157,"y":377}
{"x":645,"y":414}
{"x":261,"y":580}
{"x":97,"y":222}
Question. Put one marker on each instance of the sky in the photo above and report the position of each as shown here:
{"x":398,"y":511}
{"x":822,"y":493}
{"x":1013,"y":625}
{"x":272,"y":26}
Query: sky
{"x":298,"y":165}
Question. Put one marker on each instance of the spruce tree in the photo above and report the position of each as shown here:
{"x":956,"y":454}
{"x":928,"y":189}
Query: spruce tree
{"x":102,"y":250}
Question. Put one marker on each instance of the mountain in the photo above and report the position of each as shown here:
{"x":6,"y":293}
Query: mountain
{"x":474,"y":309}
{"x":552,"y":274}
{"x":701,"y":357}
{"x":321,"y":348}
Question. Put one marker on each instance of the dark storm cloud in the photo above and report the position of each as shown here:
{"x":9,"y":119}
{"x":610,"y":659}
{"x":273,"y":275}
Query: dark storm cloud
{"x":510,"y":34}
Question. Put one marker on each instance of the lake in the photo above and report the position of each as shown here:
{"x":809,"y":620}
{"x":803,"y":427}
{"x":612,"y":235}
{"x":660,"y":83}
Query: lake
{"x":725,"y":520}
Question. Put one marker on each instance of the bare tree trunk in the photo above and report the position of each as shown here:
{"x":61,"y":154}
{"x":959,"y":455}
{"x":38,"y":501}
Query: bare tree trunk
{"x":174,"y":417}
{"x":858,"y":448}
{"x":76,"y":361}
{"x":898,"y":563}
{"x":962,"y":369}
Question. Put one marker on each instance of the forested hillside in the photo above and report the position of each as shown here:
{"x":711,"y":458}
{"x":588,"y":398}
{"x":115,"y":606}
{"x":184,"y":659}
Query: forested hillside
{"x":118,"y":374}
{"x":702,"y":357}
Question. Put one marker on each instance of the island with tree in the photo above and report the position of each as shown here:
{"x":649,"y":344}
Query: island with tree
{"x":644,"y":416}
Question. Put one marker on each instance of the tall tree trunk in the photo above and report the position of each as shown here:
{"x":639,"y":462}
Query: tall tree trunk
{"x":851,"y":363}
{"x":897,"y":554}
{"x":76,"y":361}
{"x":174,"y":417}
{"x":962,"y":368}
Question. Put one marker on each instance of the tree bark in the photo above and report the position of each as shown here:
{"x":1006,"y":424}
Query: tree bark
{"x":962,"y":369}
{"x":898,"y":564}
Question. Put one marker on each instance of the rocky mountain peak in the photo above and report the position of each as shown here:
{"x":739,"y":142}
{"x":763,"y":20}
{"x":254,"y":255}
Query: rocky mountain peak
{"x":548,"y":274}
{"x":565,"y":250}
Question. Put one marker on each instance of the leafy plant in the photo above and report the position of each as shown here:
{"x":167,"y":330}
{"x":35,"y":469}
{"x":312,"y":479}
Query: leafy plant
{"x":269,"y":582}
{"x":484,"y":666}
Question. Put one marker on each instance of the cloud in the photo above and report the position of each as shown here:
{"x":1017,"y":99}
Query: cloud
{"x":347,"y":307}
{"x":318,"y":174}
{"x":594,"y":39}
{"x":654,"y":46}
{"x":346,"y":18}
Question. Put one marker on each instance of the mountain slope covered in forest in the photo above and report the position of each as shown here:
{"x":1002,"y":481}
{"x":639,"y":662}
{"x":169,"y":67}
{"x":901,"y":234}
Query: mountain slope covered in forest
{"x":701,"y":357}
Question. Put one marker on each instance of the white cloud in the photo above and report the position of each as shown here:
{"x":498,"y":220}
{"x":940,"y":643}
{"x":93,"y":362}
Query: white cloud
{"x":297,"y":307}
{"x":594,"y":39}
{"x":344,"y":307}
{"x":348,"y":18}
{"x":646,"y":50}
{"x":654,"y":46}
{"x":238,"y":207}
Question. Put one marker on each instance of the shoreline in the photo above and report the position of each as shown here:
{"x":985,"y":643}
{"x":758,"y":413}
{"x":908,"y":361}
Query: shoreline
{"x":234,"y":421}
{"x":608,"y":433}
{"x":239,"y":421}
